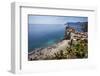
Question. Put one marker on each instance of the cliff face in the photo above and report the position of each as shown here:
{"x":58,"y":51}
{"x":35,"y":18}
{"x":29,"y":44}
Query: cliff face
{"x":75,"y":27}
{"x":68,"y":31}
{"x":67,"y":35}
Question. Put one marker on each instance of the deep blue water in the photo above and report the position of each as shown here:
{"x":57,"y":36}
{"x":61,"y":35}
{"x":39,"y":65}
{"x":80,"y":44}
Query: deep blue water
{"x":43,"y":35}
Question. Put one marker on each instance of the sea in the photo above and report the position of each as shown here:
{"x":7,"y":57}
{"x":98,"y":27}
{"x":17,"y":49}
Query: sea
{"x":44,"y":35}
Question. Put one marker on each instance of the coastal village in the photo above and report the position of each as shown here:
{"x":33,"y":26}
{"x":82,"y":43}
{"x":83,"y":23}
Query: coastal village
{"x":74,"y":45}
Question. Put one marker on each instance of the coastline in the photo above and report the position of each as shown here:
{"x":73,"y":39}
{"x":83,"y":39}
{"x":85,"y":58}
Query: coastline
{"x":44,"y":53}
{"x":73,"y":45}
{"x":50,"y":45}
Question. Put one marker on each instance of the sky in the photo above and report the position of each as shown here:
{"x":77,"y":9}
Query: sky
{"x":33,"y":19}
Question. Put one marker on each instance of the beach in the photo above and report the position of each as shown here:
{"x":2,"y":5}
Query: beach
{"x":44,"y":53}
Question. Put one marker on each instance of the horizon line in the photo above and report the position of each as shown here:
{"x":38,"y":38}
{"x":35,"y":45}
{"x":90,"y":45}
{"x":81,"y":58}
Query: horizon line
{"x":64,"y":23}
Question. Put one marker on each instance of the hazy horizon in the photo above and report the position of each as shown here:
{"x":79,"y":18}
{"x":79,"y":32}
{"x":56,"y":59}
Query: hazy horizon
{"x":33,"y":19}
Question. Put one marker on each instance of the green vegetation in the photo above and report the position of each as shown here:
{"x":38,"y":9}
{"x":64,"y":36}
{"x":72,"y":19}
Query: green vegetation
{"x":60,"y":55}
{"x":76,"y":50}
